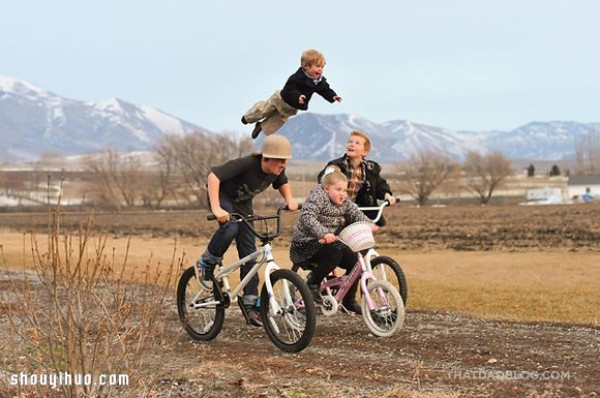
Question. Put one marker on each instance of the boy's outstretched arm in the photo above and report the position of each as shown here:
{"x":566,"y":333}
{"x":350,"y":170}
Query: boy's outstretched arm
{"x":213,"y":196}
{"x":286,"y":192}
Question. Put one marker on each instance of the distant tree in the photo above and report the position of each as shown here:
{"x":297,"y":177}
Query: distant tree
{"x":185,"y":161}
{"x":118,"y":178}
{"x":423,"y":173}
{"x":531,"y":170}
{"x":484,"y":173}
{"x":166,"y":156}
{"x":554,"y":171}
{"x":587,"y":153}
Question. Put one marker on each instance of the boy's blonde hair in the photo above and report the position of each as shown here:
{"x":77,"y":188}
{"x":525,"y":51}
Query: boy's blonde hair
{"x":334,"y":177}
{"x":364,"y":136}
{"x":312,"y":57}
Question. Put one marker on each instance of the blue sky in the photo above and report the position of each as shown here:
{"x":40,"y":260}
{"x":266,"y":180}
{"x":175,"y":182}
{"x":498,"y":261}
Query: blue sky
{"x":462,"y":64}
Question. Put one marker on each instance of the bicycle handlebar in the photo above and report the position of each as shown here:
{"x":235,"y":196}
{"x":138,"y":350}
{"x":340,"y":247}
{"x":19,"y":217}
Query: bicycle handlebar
{"x":236,"y":217}
{"x":379,"y":208}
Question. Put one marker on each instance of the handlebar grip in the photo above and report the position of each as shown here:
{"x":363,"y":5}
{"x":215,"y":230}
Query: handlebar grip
{"x":387,"y":202}
{"x":285,"y":208}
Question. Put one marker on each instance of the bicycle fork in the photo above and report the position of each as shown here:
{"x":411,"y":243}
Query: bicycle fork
{"x":269,"y":268}
{"x":287,"y":311}
{"x":364,"y":278}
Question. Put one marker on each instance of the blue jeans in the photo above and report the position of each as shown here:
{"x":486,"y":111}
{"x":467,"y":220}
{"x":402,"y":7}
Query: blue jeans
{"x":245,"y":243}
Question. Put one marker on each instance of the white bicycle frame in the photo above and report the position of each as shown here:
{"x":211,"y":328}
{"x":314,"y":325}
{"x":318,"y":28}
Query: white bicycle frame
{"x":266,"y":255}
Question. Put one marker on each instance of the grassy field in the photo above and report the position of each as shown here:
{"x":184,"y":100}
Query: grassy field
{"x":533,"y":287}
{"x":555,"y":286}
{"x":513,"y":287}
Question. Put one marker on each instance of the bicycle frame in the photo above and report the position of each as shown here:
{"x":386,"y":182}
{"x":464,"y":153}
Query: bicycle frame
{"x":372,"y":253}
{"x":343,"y":283}
{"x":262,"y":255}
{"x":267,"y":256}
{"x":201,"y":304}
{"x":362,"y":268}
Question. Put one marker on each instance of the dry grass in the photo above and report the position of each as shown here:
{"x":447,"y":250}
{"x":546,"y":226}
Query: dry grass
{"x":520,"y":286}
{"x":533,"y":286}
{"x":71,"y":310}
{"x":553,"y":286}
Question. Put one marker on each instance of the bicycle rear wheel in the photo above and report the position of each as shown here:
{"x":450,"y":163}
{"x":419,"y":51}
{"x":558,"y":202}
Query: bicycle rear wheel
{"x":290,"y":320}
{"x":387,"y":269}
{"x":388,"y":315}
{"x":201,"y":322}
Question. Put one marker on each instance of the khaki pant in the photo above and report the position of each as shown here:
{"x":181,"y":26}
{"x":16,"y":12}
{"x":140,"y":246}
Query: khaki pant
{"x":275,"y":112}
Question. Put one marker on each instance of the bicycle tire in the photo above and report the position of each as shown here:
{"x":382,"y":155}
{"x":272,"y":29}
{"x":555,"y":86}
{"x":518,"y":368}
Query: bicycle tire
{"x":291,"y":329}
{"x":393,"y":274}
{"x":203,"y":323}
{"x":388,"y":316}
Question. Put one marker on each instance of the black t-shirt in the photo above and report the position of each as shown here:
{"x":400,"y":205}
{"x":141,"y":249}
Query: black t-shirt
{"x":243,"y":178}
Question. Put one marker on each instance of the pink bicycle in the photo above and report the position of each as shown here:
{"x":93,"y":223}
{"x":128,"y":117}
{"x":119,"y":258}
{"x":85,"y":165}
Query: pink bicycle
{"x":382,"y":306}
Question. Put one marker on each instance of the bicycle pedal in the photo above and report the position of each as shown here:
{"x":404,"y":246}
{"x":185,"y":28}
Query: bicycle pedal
{"x":220,"y":296}
{"x":251,"y":319}
{"x":347,"y":311}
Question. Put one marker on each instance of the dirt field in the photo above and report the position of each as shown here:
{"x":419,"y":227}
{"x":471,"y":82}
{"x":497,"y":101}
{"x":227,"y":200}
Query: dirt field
{"x":502,"y":302}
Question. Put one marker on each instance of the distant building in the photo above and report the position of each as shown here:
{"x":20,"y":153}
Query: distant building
{"x":547,"y":196}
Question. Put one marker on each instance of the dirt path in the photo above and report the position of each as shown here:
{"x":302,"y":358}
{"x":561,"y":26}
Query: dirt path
{"x":436,"y":354}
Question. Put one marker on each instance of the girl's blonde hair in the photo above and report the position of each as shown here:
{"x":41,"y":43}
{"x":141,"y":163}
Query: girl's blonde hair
{"x":334,"y":176}
{"x":312,"y":57}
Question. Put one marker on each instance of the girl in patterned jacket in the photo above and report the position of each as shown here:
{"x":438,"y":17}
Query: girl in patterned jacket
{"x":324,"y":213}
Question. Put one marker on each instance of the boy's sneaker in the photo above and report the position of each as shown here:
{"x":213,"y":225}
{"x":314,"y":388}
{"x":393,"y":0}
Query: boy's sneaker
{"x":204,"y":270}
{"x":250,"y":313}
{"x":256,"y":131}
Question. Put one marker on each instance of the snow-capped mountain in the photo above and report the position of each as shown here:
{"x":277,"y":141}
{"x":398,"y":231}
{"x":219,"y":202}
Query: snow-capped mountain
{"x":412,"y":138}
{"x":323,"y":137}
{"x":540,"y":140}
{"x":34,"y":122}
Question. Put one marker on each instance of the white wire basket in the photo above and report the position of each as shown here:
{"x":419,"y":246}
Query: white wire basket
{"x":358,"y":236}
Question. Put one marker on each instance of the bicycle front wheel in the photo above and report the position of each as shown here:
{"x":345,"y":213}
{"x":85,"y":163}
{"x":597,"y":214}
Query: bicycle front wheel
{"x":201,"y":317}
{"x":387,"y":316}
{"x":289,"y":316}
{"x":387,"y":269}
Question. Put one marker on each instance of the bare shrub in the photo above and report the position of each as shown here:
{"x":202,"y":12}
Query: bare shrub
{"x":76,"y":314}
